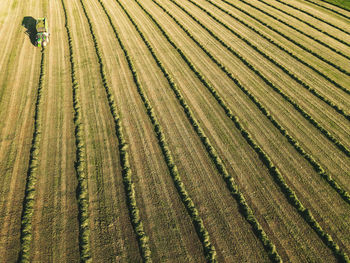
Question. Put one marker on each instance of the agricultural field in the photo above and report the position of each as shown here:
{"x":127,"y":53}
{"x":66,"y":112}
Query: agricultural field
{"x":175,"y":131}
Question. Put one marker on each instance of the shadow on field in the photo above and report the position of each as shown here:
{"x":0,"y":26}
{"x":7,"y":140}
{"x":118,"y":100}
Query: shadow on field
{"x":29,"y":23}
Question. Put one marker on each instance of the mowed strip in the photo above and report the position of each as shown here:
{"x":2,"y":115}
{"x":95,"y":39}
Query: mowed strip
{"x":165,"y":219}
{"x":301,"y":22}
{"x":307,"y":42}
{"x":344,"y":206}
{"x":111,"y":233}
{"x":55,"y":224}
{"x":319,"y":80}
{"x":278,"y":104}
{"x":337,"y":9}
{"x":22,"y":66}
{"x":312,"y":11}
{"x":162,"y":54}
{"x":187,"y":166}
{"x":279,"y":39}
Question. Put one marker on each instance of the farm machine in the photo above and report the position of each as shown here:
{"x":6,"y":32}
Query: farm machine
{"x":42,"y":32}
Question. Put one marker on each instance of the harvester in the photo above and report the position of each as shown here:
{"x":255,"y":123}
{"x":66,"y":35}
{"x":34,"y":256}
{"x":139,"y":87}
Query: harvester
{"x":42,"y":32}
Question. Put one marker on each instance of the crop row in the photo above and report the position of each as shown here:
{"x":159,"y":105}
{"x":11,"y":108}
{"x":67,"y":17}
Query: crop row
{"x":307,"y":116}
{"x":231,"y":185}
{"x":80,"y":163}
{"x":273,"y":170}
{"x":339,"y":68}
{"x":30,"y":191}
{"x":299,"y":31}
{"x":318,"y":168}
{"x":314,"y":16}
{"x":306,"y":23}
{"x":134,"y":212}
{"x":275,"y":43}
{"x":203,"y":234}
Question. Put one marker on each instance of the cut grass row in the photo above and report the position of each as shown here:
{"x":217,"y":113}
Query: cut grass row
{"x":80,"y":163}
{"x":273,"y":170}
{"x":273,"y":42}
{"x":337,"y":67}
{"x":317,"y":167}
{"x":129,"y":187}
{"x":305,"y":22}
{"x":329,"y":9}
{"x":306,"y":115}
{"x":314,"y":16}
{"x":209,"y":249}
{"x":244,"y":208}
{"x":342,"y":4}
{"x":299,"y":31}
{"x":32,"y":172}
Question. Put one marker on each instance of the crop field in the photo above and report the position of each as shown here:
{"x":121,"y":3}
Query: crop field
{"x":175,"y":131}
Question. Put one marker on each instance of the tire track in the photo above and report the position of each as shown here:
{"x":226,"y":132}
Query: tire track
{"x":273,"y":170}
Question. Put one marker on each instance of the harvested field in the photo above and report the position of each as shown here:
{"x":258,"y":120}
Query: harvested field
{"x":175,"y":131}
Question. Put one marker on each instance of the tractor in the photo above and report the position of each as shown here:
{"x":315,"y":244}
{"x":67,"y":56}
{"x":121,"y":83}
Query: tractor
{"x":42,"y":32}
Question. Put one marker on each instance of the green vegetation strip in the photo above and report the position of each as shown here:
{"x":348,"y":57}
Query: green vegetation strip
{"x":339,"y":68}
{"x":273,"y":170}
{"x":314,"y":16}
{"x":317,"y":167}
{"x":306,"y":23}
{"x":134,"y":212}
{"x":30,"y":191}
{"x":80,"y":164}
{"x":233,"y":188}
{"x":203,"y":234}
{"x":274,"y":42}
{"x":307,"y":116}
{"x":209,"y":249}
{"x":329,"y":9}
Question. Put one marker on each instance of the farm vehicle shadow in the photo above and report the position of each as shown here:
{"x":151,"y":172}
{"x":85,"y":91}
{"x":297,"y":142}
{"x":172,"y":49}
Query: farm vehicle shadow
{"x":29,"y":23}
